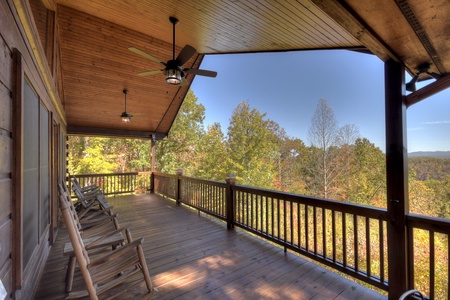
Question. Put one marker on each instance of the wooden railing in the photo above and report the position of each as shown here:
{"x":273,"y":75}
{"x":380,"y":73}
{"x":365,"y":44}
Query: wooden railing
{"x":347,"y":237}
{"x":429,"y":249}
{"x":117,"y":183}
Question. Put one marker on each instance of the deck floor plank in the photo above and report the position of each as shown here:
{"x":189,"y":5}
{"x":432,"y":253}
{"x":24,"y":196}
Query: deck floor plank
{"x":193,"y":256}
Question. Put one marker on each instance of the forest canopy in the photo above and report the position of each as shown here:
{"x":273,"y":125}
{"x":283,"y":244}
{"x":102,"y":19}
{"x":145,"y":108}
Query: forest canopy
{"x":338,"y":164}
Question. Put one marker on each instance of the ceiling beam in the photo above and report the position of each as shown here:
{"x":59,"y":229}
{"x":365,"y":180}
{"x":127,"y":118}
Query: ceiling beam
{"x":429,"y":90}
{"x":347,"y":18}
{"x":409,"y":14}
{"x":119,"y":133}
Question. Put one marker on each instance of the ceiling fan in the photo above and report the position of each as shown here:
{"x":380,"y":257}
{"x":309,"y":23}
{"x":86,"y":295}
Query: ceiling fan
{"x":174,"y":72}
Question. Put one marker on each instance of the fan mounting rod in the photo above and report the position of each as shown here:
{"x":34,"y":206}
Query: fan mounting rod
{"x":125,"y":91}
{"x":174,"y":21}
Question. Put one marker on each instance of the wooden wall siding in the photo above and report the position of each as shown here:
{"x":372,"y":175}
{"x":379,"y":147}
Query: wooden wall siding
{"x":97,"y":65}
{"x":40,"y":19}
{"x":44,"y":20}
{"x":5,"y":157}
{"x":19,"y":283}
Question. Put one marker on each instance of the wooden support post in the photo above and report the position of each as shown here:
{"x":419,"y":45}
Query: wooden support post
{"x":396,"y":177}
{"x":152,"y":183}
{"x":231,"y":180}
{"x":177,"y":192}
{"x":152,"y":176}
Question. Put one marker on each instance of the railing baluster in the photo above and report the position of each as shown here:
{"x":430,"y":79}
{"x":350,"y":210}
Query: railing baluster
{"x":333,"y":234}
{"x":324,"y":233}
{"x":299,"y":227}
{"x":355,"y":241}
{"x":315,"y":228}
{"x":278,"y":219}
{"x":368,"y":252}
{"x":284,"y":222}
{"x":344,"y":240}
{"x":272,"y":217}
{"x":291,"y":211}
{"x":257,"y":212}
{"x":382,"y":269}
{"x":267,"y":215}
{"x":306,"y":228}
{"x":432,"y":265}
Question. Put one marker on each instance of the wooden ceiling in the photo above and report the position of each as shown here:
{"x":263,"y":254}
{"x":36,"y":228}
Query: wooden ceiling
{"x":96,"y":63}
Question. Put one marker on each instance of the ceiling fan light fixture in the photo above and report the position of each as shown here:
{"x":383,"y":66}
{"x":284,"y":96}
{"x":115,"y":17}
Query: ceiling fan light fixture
{"x":173,"y":76}
{"x":126,"y":117}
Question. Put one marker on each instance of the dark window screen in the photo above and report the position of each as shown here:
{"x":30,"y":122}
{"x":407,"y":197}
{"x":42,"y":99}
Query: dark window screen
{"x":44,"y":169}
{"x":30,"y":172}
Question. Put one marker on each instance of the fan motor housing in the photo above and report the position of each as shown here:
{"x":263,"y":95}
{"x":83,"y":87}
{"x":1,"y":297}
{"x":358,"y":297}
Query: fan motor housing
{"x":173,"y":65}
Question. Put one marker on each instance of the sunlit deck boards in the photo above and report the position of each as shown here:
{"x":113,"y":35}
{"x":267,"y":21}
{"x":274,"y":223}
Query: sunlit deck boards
{"x":192,"y":256}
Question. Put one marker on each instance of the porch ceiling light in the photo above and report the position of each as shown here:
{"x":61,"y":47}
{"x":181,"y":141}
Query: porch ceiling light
{"x":423,"y":68}
{"x":126,"y":117}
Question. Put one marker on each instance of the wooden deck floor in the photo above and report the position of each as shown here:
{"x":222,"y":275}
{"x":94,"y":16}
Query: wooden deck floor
{"x":192,"y":256}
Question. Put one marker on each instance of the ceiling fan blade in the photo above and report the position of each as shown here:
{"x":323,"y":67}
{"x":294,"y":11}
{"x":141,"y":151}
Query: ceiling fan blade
{"x":201,"y":72}
{"x":186,"y":53}
{"x":147,"y":73}
{"x":184,"y":82}
{"x":146,"y":55}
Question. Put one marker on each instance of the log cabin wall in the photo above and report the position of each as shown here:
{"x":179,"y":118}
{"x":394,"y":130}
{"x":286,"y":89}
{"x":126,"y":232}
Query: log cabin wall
{"x":31,"y":142}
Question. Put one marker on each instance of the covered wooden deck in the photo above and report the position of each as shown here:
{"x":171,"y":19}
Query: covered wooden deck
{"x":193,"y":256}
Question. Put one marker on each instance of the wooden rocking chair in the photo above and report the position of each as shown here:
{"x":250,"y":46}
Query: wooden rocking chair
{"x":105,"y":271}
{"x":85,"y":212}
{"x":89,"y":200}
{"x":97,"y":233}
{"x":84,"y":189}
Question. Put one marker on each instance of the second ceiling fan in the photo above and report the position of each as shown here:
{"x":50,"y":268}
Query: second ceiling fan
{"x":174,"y":72}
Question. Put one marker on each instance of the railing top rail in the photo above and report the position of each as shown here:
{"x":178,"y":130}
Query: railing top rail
{"x":108,"y":174}
{"x":345,"y":207}
{"x":164,"y":175}
{"x":206,"y":181}
{"x":428,"y":223}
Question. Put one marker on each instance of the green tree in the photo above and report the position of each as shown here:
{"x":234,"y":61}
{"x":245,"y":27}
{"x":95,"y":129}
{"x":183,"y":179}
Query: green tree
{"x":252,"y":147}
{"x":213,"y":161}
{"x":180,"y":148}
{"x":366,"y":183}
{"x":133,"y":155}
{"x":91,"y":155}
{"x":441,"y":190}
{"x":326,"y":167}
{"x":289,"y":162}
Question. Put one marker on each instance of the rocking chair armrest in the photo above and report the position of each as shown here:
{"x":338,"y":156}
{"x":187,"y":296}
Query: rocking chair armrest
{"x":92,"y":193}
{"x":99,"y":212}
{"x":117,"y":253}
{"x":88,"y":188}
{"x":99,"y":223}
{"x":105,"y":237}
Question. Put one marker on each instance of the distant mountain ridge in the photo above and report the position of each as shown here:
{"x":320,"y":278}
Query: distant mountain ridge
{"x":433,"y":154}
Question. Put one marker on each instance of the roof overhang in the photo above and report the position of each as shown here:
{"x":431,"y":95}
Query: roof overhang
{"x":96,"y":65}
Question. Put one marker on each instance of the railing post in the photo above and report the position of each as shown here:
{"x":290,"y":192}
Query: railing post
{"x":177,"y":192}
{"x":152,"y":182}
{"x":231,"y":180}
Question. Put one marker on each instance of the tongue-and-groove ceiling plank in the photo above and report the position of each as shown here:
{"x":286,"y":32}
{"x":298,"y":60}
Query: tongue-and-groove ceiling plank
{"x":97,"y":66}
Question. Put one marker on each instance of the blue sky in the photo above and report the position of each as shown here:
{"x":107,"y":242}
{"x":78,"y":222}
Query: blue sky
{"x":288,"y":86}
